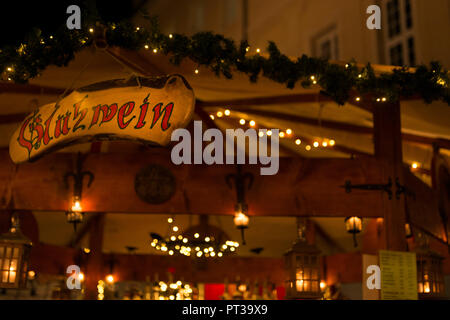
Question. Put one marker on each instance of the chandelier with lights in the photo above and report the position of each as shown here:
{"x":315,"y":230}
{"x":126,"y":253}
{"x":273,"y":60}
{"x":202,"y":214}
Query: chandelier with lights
{"x":200,"y":241}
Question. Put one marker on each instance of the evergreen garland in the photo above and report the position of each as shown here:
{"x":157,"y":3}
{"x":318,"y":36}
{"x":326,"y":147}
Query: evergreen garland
{"x":223,"y":56}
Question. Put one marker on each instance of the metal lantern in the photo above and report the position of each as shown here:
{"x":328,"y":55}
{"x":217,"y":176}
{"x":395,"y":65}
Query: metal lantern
{"x":242,"y":182}
{"x":303,"y":268}
{"x":75,"y":214}
{"x":241,"y":220}
{"x":353,"y":225}
{"x":14,"y":253}
{"x":430,"y":276}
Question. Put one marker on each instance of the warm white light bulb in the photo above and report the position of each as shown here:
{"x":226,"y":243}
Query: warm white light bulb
{"x":110,"y":278}
{"x":76,"y":207}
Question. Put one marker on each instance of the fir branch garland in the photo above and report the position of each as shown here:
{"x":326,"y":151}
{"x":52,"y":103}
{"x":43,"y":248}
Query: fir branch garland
{"x":223,"y":56}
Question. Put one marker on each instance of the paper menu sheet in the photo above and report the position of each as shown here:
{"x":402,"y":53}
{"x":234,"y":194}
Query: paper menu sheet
{"x":398,"y":275}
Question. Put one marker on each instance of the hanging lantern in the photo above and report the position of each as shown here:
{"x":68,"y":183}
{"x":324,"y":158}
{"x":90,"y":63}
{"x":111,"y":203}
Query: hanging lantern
{"x":242,"y":181}
{"x":353,"y":225}
{"x":75,"y":214}
{"x":430,"y":275}
{"x":303,"y":269}
{"x":241,"y":220}
{"x":14,"y":253}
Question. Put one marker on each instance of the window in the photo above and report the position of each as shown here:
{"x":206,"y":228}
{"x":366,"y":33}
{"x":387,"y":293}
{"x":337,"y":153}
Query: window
{"x":326,"y":45}
{"x":393,"y":12}
{"x":411,"y":52}
{"x":396,"y":55}
{"x":399,"y":34}
{"x":408,"y":14}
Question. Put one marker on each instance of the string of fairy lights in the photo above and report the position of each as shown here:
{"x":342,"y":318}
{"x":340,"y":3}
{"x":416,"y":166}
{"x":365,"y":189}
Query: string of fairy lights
{"x":288,"y":133}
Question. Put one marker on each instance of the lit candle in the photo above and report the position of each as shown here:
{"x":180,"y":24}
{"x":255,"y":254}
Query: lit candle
{"x":12,"y":271}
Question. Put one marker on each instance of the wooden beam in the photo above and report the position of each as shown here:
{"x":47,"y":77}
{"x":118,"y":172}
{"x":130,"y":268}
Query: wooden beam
{"x":260,"y":101}
{"x":302,"y":187}
{"x":81,"y":232}
{"x":326,"y":237}
{"x":423,"y":206}
{"x":12,"y":118}
{"x":94,"y":268}
{"x":388,"y":150}
{"x":7,"y":87}
{"x":294,"y":98}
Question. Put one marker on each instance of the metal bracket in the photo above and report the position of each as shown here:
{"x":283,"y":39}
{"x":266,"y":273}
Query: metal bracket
{"x":78,"y":176}
{"x":239,"y":180}
{"x":382,"y":187}
{"x":403,"y":189}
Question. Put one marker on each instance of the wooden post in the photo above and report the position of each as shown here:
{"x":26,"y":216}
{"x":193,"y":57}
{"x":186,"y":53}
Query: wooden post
{"x":388,"y":150}
{"x":95,"y":262}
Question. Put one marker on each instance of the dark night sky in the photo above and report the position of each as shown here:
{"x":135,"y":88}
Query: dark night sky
{"x":18,"y":17}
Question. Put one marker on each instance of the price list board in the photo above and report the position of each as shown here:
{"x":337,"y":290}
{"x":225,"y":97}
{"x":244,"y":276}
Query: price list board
{"x":398,"y":275}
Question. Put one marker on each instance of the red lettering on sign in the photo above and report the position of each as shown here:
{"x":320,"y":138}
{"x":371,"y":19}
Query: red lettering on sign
{"x":47,"y":137}
{"x":157,"y":114}
{"x":21,"y":139}
{"x":108,"y":112}
{"x":77,"y":113}
{"x":65,"y":127}
{"x":125,"y":111}
{"x":142,"y":115}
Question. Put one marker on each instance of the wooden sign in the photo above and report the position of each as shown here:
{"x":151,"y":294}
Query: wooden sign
{"x":141,"y":109}
{"x":398,"y":275}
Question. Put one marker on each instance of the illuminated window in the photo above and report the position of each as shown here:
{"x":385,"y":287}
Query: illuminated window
{"x":399,"y":32}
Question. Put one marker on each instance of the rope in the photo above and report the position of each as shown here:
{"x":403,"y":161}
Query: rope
{"x":74,"y":80}
{"x":127,"y":68}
